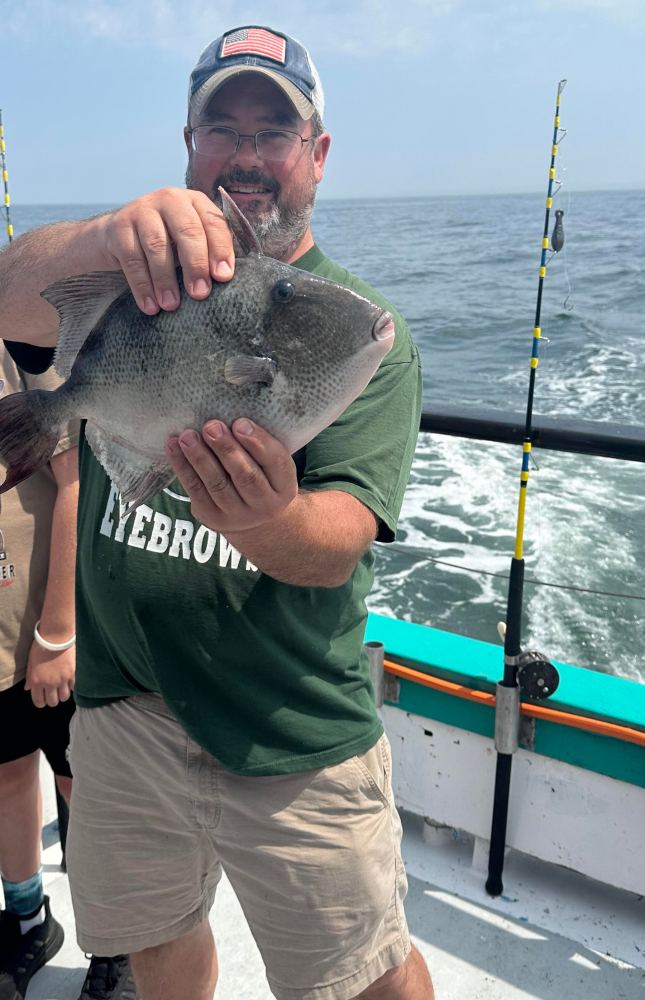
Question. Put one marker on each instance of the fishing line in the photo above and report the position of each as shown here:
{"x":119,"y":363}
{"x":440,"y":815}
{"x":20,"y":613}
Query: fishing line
{"x":568,"y":305}
{"x":403,"y":548}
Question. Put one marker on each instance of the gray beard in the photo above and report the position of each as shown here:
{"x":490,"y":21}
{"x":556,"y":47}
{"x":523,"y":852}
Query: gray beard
{"x":280,"y":229}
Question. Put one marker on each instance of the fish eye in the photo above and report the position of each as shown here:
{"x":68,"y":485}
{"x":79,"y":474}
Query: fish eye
{"x":283,"y":291}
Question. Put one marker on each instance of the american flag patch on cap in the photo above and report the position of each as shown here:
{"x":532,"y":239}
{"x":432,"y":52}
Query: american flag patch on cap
{"x":256,"y":42}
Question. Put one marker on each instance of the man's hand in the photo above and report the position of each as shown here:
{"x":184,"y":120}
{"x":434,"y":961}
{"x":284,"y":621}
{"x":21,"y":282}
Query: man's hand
{"x":149,"y":237}
{"x":50,"y":676}
{"x":243,"y":483}
{"x":236,"y":478}
{"x":145,"y":239}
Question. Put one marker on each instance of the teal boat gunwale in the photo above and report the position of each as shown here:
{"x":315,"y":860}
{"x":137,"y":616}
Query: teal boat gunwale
{"x":478,"y":665}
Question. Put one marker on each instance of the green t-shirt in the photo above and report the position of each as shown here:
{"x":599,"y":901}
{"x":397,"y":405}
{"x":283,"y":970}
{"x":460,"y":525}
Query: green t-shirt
{"x":270,"y":678}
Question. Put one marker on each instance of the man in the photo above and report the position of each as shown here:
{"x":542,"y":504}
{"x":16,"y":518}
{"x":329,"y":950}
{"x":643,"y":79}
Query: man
{"x":37,"y":667}
{"x":226,"y":715}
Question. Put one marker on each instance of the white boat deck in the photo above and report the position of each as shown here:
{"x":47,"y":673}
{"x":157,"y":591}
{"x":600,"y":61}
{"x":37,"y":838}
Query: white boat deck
{"x":552,"y":935}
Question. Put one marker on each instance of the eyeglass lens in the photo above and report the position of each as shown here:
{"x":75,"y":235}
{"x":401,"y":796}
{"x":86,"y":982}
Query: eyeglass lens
{"x":270,"y":144}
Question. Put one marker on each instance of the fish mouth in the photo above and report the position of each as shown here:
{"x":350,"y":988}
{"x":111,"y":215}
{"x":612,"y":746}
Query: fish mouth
{"x":383,"y":329}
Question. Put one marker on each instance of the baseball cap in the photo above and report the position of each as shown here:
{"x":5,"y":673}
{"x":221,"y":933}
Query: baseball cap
{"x":259,"y":50}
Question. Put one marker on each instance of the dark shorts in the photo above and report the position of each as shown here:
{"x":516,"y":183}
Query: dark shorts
{"x":25,"y":728}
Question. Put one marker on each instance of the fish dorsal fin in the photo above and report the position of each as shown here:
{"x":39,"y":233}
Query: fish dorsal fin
{"x":243,"y":369}
{"x":80,"y":301}
{"x":239,"y":225}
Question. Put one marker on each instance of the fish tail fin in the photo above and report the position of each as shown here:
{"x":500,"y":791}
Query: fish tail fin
{"x":30,"y":428}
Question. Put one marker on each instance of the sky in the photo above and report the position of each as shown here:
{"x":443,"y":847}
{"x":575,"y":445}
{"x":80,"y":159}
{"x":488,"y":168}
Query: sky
{"x":423,"y":97}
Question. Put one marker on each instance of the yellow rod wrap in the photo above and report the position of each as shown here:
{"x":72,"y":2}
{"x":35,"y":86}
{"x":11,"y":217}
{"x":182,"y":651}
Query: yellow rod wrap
{"x":5,"y":179}
{"x":519,"y":532}
{"x":513,"y":638}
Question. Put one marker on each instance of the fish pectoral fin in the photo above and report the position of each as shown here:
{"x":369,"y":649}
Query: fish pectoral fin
{"x":81,"y":301}
{"x":239,"y":225}
{"x":243,"y":369}
{"x":137,"y":477}
{"x":152,"y":481}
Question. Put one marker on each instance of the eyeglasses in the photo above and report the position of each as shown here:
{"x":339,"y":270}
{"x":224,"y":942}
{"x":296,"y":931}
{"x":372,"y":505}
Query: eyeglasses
{"x":270,"y":144}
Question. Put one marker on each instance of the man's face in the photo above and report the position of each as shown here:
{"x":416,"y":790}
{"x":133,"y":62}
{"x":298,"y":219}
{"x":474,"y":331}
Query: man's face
{"x":276,"y":197}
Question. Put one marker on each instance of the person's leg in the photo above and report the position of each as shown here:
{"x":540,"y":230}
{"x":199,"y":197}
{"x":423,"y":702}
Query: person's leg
{"x":20,"y":818}
{"x":23,"y":729}
{"x":410,"y":981}
{"x":160,"y":973}
{"x":64,"y":785}
{"x":53,"y":728}
{"x":142,"y":867}
{"x":107,"y":976}
{"x":314,"y":858}
{"x":29,"y":935}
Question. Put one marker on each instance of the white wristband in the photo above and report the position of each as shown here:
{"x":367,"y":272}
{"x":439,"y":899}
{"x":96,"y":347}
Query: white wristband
{"x":53,"y":647}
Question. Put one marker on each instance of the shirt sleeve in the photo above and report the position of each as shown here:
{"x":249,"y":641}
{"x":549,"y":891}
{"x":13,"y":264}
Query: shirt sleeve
{"x":30,"y":358}
{"x":368,"y":450}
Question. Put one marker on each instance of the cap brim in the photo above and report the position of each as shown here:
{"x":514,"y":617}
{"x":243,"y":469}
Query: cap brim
{"x":201,"y":97}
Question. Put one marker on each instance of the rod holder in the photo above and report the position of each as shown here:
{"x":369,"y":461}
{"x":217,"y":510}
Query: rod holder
{"x":507,"y":719}
{"x":376,"y":657}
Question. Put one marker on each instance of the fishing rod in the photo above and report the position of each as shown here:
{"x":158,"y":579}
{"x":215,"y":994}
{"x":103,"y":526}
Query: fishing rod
{"x":5,"y":180}
{"x":527,"y":671}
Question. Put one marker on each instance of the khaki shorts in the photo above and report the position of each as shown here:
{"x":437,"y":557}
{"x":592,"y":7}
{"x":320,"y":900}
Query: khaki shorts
{"x":314,"y":857}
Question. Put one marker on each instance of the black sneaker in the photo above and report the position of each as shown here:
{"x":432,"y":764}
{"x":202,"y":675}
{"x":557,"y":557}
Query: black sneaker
{"x":108,"y":979}
{"x":22,"y":955}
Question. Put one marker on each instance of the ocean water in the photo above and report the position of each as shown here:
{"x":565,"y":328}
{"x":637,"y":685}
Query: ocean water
{"x":464,"y":273}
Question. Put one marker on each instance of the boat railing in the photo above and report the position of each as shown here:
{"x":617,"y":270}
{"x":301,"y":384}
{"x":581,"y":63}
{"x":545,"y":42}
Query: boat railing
{"x":580,"y":437}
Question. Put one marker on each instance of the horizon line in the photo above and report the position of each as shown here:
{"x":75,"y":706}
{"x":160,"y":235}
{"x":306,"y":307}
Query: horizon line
{"x":375,"y":197}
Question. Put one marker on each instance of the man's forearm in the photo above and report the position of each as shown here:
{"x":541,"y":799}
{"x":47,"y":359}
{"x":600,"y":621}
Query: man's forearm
{"x":30,"y":264}
{"x":315,"y":543}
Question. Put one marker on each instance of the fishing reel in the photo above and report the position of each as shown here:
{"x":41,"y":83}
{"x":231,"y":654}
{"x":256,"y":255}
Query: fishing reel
{"x":536,"y":676}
